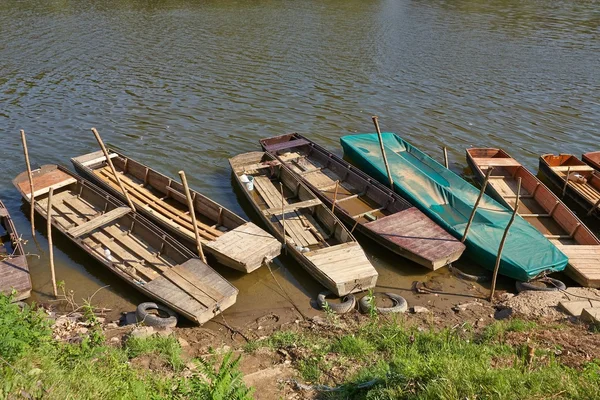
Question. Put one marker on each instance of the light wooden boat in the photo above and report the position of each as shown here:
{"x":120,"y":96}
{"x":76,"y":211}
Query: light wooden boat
{"x":592,"y":159}
{"x":128,"y":245}
{"x":14,"y":270}
{"x":364,"y":204}
{"x":585,"y":194}
{"x":542,"y":209}
{"x":313,"y":235}
{"x":231,"y":240}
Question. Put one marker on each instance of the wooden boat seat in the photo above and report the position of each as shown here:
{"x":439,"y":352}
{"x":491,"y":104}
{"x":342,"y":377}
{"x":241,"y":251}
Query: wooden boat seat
{"x":496,"y":162}
{"x":99,"y":221}
{"x":292,"y":207}
{"x":573,"y":168}
{"x":259,"y":166}
{"x":42,"y":183}
{"x":94,"y":158}
{"x":296,"y":225}
{"x":286,"y":145}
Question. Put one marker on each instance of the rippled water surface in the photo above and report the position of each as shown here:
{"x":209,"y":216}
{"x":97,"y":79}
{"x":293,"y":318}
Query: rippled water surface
{"x":187,"y":84}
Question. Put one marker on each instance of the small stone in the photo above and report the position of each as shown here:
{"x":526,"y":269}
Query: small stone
{"x":223,"y":349}
{"x":318,"y":320}
{"x":506,"y":296}
{"x":61,"y":321}
{"x":114,"y":339}
{"x":111,"y":325}
{"x":164,"y":332}
{"x":183,"y":342}
{"x":464,"y":306}
{"x":142,"y":332}
{"x":100,"y":320}
{"x":419,"y":309}
{"x":82,"y":330}
{"x":503,"y":313}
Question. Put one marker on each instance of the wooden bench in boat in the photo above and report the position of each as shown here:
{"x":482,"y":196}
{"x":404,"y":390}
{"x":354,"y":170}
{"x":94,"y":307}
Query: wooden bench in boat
{"x":292,"y":207}
{"x":573,"y":168}
{"x":287,"y":145}
{"x":294,"y":222}
{"x":98,"y":221}
{"x":42,"y":183}
{"x":496,"y":162}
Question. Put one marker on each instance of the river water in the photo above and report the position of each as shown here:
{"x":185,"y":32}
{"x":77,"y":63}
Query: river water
{"x":188,"y":84}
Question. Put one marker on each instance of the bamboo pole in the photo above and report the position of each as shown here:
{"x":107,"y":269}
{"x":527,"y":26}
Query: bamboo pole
{"x":50,"y":246}
{"x":283,"y":213}
{"x":499,"y":256}
{"x":112,"y":168}
{"x":566,"y":182}
{"x":385,"y":161}
{"x":593,"y":208}
{"x":190,"y":202}
{"x":483,"y":186}
{"x":446,"y":157}
{"x":32,"y":202}
{"x":337,"y":184}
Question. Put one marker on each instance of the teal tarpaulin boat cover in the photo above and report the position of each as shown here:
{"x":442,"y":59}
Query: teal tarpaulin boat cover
{"x":449,"y":200}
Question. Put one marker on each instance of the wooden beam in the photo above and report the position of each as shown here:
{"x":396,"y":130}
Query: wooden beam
{"x":30,"y":175}
{"x":192,"y":214}
{"x":98,"y":221}
{"x":50,"y":245}
{"x":292,"y":207}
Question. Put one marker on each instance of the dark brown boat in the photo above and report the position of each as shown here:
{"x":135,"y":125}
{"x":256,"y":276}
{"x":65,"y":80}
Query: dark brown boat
{"x":14,"y":270}
{"x":592,"y":159}
{"x":231,"y":240}
{"x":364,"y":204}
{"x":128,"y":245}
{"x":583,"y":187}
{"x":542,"y":209}
{"x":311,"y":232}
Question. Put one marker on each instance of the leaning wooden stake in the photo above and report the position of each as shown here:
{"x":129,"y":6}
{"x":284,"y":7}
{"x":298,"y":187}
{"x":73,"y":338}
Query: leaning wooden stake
{"x":593,"y":208}
{"x":483,"y":186}
{"x":566,"y":182}
{"x":190,"y":202}
{"x":499,"y":256}
{"x":32,"y":214}
{"x":283,"y":214}
{"x":446,"y":157}
{"x":112,"y":168}
{"x":385,"y":161}
{"x":50,"y":246}
{"x":337,"y":184}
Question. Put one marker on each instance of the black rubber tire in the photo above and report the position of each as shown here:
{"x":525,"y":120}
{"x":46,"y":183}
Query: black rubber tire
{"x":555,"y":285}
{"x":468,"y":277}
{"x":148,"y":319}
{"x":348,"y":303}
{"x":400,"y":304}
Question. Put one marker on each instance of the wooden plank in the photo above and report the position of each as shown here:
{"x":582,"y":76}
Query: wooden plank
{"x":496,"y":162}
{"x":193,"y":280}
{"x":573,"y":168}
{"x":286,"y":145}
{"x":190,"y":289}
{"x":259,"y":166}
{"x":93,"y":158}
{"x":292,"y":207}
{"x":98,"y":221}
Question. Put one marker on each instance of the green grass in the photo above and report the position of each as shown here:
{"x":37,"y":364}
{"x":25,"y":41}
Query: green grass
{"x":32,"y":365}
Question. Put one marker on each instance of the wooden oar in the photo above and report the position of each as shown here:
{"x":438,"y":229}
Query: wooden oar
{"x":32,"y":215}
{"x":385,"y":161}
{"x":483,"y":186}
{"x":192,"y":214}
{"x":50,"y":246}
{"x":112,"y":167}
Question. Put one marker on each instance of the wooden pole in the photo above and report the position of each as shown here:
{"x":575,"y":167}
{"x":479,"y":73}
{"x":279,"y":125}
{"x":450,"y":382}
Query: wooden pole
{"x":112,"y":168}
{"x":593,"y":208}
{"x":566,"y":182}
{"x":190,"y":202}
{"x":337,"y":184}
{"x":32,"y":202}
{"x":385,"y":161}
{"x":50,"y":246}
{"x":483,"y":186}
{"x":499,"y":256}
{"x":283,"y":213}
{"x":446,"y":157}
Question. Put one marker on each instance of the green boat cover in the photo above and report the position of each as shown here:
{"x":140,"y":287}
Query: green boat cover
{"x":449,"y":200}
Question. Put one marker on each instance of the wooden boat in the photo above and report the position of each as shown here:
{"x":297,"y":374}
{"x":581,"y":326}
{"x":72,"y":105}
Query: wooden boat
{"x":128,"y":245}
{"x":592,"y":159}
{"x":584,"y":192}
{"x":14,"y":270}
{"x":449,"y":200}
{"x":231,"y":240}
{"x":542,"y":209}
{"x":313,"y":235}
{"x":364,"y":204}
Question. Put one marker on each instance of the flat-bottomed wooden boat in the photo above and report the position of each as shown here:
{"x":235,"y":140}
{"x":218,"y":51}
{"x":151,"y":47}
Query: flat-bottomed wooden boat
{"x":128,"y":245}
{"x":364,"y":204}
{"x":542,"y":209}
{"x":313,"y":235}
{"x":592,"y":159}
{"x":14,"y":270}
{"x":233,"y":241}
{"x":584,"y":192}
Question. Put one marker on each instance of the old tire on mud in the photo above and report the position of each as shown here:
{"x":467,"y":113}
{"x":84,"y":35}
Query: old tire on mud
{"x":468,"y":277}
{"x":145,"y":317}
{"x":553,"y":285}
{"x":348,"y":303}
{"x":400,"y":304}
